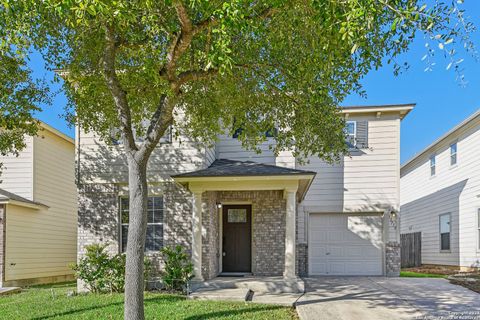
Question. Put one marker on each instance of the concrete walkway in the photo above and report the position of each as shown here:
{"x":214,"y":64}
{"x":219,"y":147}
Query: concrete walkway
{"x":270,"y":290}
{"x":378,"y":298}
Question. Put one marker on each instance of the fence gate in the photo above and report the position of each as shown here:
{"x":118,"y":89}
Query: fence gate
{"x":411,"y":249}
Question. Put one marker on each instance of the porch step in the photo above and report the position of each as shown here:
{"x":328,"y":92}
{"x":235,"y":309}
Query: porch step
{"x":257,"y":284}
{"x":238,"y":294}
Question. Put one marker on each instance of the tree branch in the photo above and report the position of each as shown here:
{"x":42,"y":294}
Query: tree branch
{"x":161,"y":119}
{"x":119,"y":95}
{"x":180,"y":43}
{"x":195,"y":75}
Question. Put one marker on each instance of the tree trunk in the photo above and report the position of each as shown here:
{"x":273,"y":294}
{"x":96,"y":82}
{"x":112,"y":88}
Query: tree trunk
{"x":137,"y":228}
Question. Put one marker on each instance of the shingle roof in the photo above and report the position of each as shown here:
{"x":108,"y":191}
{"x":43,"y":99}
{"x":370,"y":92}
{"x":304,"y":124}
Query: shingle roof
{"x":230,"y":168}
{"x":5,"y":196}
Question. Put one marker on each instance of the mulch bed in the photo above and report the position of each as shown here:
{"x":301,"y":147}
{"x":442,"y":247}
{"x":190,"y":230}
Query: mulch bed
{"x":434,"y":270}
{"x":467,"y":280}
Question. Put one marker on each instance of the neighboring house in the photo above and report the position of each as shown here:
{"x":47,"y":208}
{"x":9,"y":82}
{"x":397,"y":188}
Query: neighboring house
{"x":38,"y":211}
{"x":237,"y":211}
{"x":440,"y":197}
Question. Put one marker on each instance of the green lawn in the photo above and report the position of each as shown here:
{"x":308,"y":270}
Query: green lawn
{"x":51,"y":302}
{"x":411,"y":274}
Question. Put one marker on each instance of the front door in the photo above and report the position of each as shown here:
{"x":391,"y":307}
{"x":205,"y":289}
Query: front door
{"x":237,"y":231}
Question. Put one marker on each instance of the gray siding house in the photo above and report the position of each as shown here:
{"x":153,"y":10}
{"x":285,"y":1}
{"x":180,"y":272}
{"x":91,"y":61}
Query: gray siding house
{"x":440,"y":197}
{"x":238,"y":212}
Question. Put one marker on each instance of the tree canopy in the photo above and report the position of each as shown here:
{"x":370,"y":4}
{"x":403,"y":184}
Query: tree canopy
{"x":260,"y":64}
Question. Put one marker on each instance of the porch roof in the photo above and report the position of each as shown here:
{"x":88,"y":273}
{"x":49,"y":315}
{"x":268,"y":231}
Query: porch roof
{"x":225,"y":174}
{"x":12,"y":198}
{"x":233,"y":168}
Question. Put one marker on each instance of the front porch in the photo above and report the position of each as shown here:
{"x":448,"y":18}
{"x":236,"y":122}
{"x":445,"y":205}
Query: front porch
{"x":244,"y":218}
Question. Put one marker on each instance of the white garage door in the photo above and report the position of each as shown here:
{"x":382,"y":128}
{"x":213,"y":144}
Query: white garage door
{"x":342,"y":244}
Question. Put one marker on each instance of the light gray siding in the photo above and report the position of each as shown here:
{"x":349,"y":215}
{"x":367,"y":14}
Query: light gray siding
{"x":454,"y":189}
{"x":100,"y":163}
{"x":365,"y":181}
{"x":230,"y":148}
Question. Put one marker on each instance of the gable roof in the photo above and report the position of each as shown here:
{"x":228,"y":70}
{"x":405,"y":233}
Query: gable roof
{"x":470,"y":119}
{"x":12,"y":198}
{"x":56,"y":132}
{"x":233,"y":168}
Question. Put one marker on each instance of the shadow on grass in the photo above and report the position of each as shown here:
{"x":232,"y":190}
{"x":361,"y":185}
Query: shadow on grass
{"x":229,"y":313}
{"x":57,"y":285}
{"x":158,"y":299}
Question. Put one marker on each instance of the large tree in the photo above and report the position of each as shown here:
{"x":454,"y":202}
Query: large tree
{"x":266,"y":64}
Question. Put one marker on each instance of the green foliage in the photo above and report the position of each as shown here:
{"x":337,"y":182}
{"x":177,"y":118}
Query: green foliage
{"x":263,"y":64}
{"x":178,"y":269}
{"x":53,"y":302}
{"x":103,"y":273}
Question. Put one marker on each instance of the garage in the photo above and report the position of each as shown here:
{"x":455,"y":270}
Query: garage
{"x":345,"y":244}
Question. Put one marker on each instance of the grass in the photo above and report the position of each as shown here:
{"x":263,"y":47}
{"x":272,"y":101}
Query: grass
{"x":411,"y":274}
{"x":52,"y":302}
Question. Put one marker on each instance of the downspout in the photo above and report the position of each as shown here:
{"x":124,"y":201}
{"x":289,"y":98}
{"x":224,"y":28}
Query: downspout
{"x":78,"y":154}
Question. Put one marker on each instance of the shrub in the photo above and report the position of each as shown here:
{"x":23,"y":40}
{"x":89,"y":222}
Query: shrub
{"x":104,"y":273}
{"x":178,"y":268}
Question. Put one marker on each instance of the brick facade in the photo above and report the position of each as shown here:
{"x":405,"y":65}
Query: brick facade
{"x":98,"y":217}
{"x":98,"y":222}
{"x":268,"y":224}
{"x":302,"y":259}
{"x":392,"y":259}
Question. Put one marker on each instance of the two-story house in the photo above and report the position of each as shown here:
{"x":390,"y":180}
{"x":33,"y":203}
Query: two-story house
{"x":38,"y":211}
{"x":440,"y":197}
{"x":238,"y":212}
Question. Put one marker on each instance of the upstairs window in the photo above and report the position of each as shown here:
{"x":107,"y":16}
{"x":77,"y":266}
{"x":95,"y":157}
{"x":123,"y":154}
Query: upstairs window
{"x":433,"y":162}
{"x":453,"y":154}
{"x":445,"y":228}
{"x":351,"y":133}
{"x":239,"y":127}
{"x":154,"y":239}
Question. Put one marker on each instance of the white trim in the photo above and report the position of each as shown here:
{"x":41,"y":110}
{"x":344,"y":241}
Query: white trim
{"x":247,"y":178}
{"x":120,"y":233}
{"x":449,"y":250}
{"x":56,"y":132}
{"x":432,"y":165}
{"x":36,"y":206}
{"x":455,"y":143}
{"x":354,"y":132}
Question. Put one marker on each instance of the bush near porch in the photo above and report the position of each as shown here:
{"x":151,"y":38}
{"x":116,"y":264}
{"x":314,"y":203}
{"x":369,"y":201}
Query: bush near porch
{"x":53,"y":302}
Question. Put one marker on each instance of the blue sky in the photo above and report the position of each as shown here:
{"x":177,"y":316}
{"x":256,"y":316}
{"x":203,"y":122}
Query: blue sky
{"x":441,"y":101}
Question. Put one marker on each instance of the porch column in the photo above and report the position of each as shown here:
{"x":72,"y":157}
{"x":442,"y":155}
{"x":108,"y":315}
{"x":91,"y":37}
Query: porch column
{"x":290,"y":234}
{"x":197,"y":235}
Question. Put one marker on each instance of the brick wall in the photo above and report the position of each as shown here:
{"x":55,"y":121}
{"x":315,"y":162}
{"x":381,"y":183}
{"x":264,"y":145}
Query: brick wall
{"x":392,"y":259}
{"x":302,"y":259}
{"x":98,"y":222}
{"x":98,"y":215}
{"x":210,"y":236}
{"x":268,"y":219}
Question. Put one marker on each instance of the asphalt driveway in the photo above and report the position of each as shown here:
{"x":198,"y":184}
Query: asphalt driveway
{"x":372,"y":298}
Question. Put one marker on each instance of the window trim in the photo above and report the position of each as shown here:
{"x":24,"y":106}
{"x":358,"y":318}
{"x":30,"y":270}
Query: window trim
{"x":354,"y":132}
{"x":120,"y":233}
{"x":434,"y":166}
{"x":454,"y":154}
{"x":449,"y":232}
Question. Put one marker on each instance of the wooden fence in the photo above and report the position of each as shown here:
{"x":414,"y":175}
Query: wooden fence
{"x":411,"y":249}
